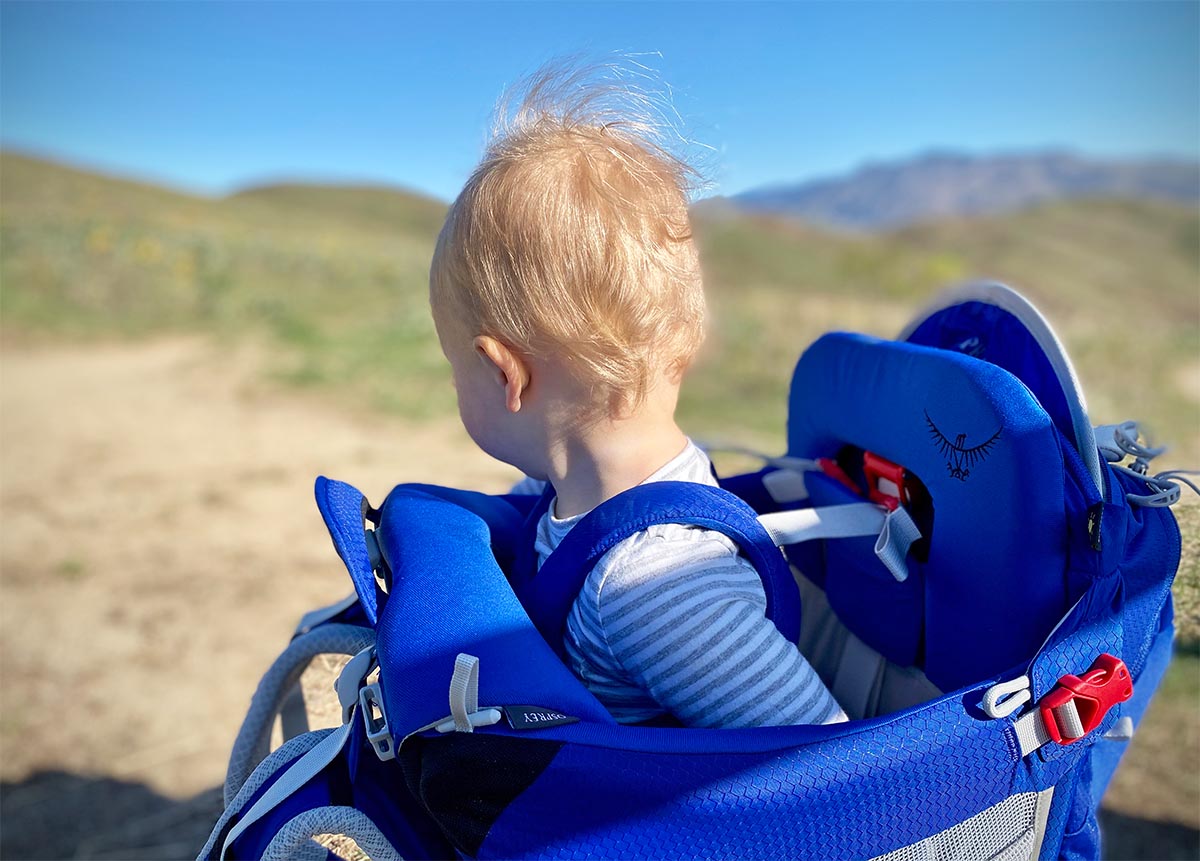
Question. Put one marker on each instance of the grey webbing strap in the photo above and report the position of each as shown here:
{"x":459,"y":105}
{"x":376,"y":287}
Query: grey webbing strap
{"x":1068,"y":717}
{"x":1005,"y":698}
{"x":350,"y":681}
{"x":1032,"y":733}
{"x":464,"y":692}
{"x":301,"y":772}
{"x":275,"y":761}
{"x":897,"y":536}
{"x":293,"y":714}
{"x":785,"y":486}
{"x":313,"y":618}
{"x":833,"y":521}
{"x":895,"y":529}
{"x":465,"y":713}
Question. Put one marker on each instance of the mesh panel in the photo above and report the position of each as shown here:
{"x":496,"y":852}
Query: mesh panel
{"x":361,"y":838}
{"x":291,"y":750}
{"x":253,"y":741}
{"x":1008,"y":831}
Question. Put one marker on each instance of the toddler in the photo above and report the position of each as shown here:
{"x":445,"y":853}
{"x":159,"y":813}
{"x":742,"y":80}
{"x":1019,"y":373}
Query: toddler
{"x":567,"y":297}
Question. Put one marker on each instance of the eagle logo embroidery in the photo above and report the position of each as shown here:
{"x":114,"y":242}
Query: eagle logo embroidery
{"x":960,"y":458}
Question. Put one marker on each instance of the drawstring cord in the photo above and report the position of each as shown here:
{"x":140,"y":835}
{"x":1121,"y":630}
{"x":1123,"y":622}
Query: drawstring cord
{"x":1164,"y":485}
{"x":1166,"y":491}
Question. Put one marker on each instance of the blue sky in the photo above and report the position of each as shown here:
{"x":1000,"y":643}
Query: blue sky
{"x":212,"y":96}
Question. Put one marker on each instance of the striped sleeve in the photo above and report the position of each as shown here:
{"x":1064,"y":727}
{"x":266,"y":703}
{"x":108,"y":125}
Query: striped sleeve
{"x":682,"y":614}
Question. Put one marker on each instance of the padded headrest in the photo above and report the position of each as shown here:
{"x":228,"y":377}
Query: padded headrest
{"x":993,"y":322}
{"x":989,"y":455}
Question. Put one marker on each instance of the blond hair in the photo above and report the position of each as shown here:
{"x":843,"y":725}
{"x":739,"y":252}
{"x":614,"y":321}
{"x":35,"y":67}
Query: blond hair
{"x":571,"y":239}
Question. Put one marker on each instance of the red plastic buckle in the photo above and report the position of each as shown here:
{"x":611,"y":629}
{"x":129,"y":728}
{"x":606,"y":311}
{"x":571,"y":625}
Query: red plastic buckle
{"x":1106,"y":683}
{"x":885,"y":481}
{"x":830,"y":468}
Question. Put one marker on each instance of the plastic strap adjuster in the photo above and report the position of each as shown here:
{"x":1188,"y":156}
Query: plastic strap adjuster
{"x":370,"y":700}
{"x":885,"y":481}
{"x":1077,"y":705}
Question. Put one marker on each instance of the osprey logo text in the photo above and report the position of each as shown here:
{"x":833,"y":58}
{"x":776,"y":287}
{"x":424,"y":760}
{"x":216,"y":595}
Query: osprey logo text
{"x":959,"y":457}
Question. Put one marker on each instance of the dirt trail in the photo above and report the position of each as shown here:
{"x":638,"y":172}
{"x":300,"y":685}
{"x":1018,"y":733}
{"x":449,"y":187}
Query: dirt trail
{"x":158,"y":543}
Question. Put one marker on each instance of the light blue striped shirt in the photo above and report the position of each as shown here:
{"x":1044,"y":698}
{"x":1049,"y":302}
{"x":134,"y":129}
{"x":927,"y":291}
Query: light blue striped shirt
{"x":672,"y":620}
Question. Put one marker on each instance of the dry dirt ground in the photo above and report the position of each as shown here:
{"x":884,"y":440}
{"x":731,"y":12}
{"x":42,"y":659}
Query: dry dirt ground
{"x":158,"y":541}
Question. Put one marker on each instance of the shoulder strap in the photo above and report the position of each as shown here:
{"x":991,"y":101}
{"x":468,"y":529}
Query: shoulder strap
{"x":525,"y":561}
{"x":548,"y":595}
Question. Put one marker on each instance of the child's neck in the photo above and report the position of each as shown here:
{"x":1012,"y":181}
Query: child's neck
{"x":589,"y":466}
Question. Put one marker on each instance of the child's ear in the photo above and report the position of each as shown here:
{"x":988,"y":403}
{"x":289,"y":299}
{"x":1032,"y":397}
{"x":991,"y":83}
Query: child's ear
{"x":508,"y":368}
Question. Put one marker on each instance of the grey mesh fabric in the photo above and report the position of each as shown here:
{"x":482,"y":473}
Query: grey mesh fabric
{"x":254,"y":738}
{"x":294,"y":840}
{"x":297,"y":746}
{"x":1009,"y":831}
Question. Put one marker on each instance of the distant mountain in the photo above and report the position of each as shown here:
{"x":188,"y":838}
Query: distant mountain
{"x":940,"y":185}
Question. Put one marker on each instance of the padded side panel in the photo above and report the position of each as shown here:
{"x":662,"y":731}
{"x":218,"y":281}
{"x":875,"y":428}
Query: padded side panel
{"x":449,"y":596}
{"x":504,"y":515}
{"x":342,"y":507}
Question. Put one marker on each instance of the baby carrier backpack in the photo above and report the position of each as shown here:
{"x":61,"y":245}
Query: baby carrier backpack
{"x":968,"y":564}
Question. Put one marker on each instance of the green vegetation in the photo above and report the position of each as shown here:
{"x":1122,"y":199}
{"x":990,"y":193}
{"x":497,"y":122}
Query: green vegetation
{"x":332,"y":282}
{"x":1119,"y":280}
{"x":334,"y":278}
{"x":1187,"y":584}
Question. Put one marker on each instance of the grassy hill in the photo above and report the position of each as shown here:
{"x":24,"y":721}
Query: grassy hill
{"x":366,"y":207}
{"x":1120,"y":281}
{"x":334,"y":279}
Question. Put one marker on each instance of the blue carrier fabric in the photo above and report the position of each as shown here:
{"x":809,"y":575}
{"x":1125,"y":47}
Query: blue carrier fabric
{"x":993,"y":671}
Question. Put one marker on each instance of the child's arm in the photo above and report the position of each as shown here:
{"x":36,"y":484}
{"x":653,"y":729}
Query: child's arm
{"x":683,"y":615}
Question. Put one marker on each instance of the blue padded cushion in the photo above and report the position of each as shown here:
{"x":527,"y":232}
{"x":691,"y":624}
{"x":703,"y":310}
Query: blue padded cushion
{"x":995,"y":335}
{"x":343,"y":508}
{"x":448,"y":596}
{"x":995,"y":583}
